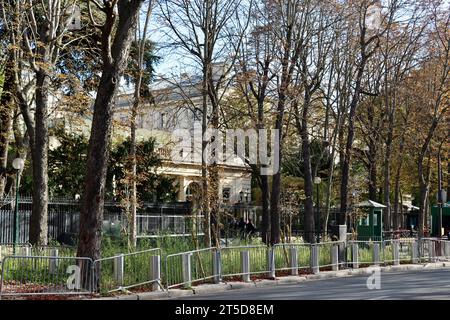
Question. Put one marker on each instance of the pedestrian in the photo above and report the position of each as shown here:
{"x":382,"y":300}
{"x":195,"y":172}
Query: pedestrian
{"x":250,"y":228}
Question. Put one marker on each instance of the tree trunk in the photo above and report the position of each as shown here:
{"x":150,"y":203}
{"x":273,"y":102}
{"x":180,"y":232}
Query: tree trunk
{"x":39,"y":154}
{"x":6,"y":117}
{"x":397,"y":200}
{"x":309,"y":223}
{"x":204,"y":199}
{"x":396,"y":220}
{"x":133,"y":208}
{"x":114,"y":62}
{"x":265,"y":225}
{"x":349,"y":145}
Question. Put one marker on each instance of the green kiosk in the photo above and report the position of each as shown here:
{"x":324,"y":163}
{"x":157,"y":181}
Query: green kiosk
{"x":445,"y":219}
{"x":371,"y":227}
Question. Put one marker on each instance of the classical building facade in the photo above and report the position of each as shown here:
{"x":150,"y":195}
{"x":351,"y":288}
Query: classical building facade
{"x":178,"y":107}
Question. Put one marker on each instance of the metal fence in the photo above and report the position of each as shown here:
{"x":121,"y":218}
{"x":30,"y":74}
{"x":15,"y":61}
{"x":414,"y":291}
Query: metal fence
{"x":125,"y":271}
{"x":293,"y":257}
{"x":244,"y":260}
{"x":35,"y":275}
{"x":29,"y":274}
{"x":186,"y":268}
{"x":64,"y":218}
{"x":150,"y":226}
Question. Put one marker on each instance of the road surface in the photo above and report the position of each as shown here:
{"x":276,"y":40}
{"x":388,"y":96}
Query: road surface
{"x":424,"y":285}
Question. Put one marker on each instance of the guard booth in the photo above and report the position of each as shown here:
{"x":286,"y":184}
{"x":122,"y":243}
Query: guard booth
{"x":370,"y":227}
{"x":445,"y":219}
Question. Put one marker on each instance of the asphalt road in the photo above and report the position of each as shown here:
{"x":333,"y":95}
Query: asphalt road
{"x":422,"y":285}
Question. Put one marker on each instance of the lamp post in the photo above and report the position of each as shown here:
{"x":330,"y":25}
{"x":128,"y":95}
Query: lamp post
{"x":317,"y":181}
{"x":17,"y":164}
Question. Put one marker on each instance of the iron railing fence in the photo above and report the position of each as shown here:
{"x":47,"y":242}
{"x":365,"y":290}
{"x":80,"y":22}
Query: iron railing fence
{"x":150,"y":226}
{"x":64,"y":219}
{"x":9,"y":249}
{"x":35,"y":275}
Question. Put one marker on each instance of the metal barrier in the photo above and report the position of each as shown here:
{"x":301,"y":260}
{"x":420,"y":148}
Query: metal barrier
{"x":52,"y":273}
{"x":398,"y":251}
{"x":245,"y":261}
{"x":294,"y":257}
{"x":363,"y":253}
{"x":34,"y":275}
{"x":125,"y":271}
{"x":433,"y":249}
{"x":20,"y":249}
{"x":185,"y":268}
{"x":327,"y":254}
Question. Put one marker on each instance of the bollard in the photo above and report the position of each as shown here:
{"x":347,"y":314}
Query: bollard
{"x":335,"y":257}
{"x":355,"y":256}
{"x":396,"y":252}
{"x":217,"y":266}
{"x":376,"y":254}
{"x":155,"y":272}
{"x":315,"y":259}
{"x":415,"y":252}
{"x":245,"y":266}
{"x":119,"y":262}
{"x":294,"y":261}
{"x":271,"y":263}
{"x":53,"y":265}
{"x":187,"y":276}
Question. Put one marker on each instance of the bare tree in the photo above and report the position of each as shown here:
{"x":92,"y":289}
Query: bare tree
{"x":140,"y":42}
{"x":366,"y":47}
{"x":203,"y":30}
{"x":37,"y":34}
{"x":436,"y":105}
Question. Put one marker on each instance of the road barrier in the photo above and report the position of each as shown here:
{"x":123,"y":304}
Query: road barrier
{"x":34,"y":275}
{"x":185,"y":268}
{"x":28,"y":274}
{"x":125,"y":271}
{"x":293,"y":257}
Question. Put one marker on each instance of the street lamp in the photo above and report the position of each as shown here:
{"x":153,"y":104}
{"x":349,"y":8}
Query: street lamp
{"x":17,"y":164}
{"x":317,"y":181}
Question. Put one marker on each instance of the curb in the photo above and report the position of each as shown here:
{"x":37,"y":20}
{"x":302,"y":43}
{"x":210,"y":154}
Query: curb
{"x":211,"y":288}
{"x":288,"y":280}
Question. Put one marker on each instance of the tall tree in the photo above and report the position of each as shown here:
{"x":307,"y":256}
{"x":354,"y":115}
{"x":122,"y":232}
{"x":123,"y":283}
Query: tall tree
{"x":366,"y":46}
{"x":37,"y":35}
{"x":117,"y":29}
